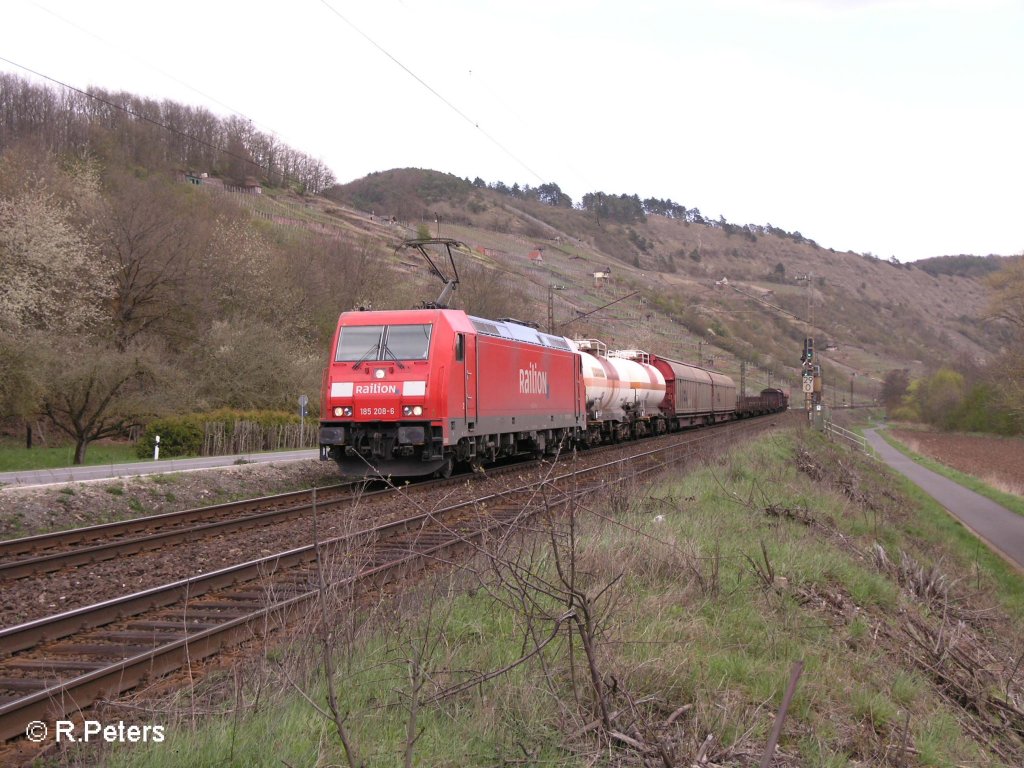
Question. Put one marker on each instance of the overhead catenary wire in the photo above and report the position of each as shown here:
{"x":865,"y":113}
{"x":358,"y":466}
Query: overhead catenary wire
{"x":421,"y":81}
{"x":152,"y":66}
{"x":433,"y":91}
{"x":598,"y":309}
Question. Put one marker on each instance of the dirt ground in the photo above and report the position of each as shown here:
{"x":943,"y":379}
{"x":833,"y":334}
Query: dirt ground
{"x":998,"y":461}
{"x":25,"y":512}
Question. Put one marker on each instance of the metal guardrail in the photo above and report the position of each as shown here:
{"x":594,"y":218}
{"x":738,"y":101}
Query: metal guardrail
{"x":833,"y":430}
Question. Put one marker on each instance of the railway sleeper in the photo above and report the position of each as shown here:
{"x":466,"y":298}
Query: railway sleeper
{"x":27,"y":684}
{"x":28,"y":665}
{"x":100,"y":650}
{"x":161,"y":636}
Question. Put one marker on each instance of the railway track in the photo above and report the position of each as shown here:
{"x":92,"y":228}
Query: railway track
{"x":48,"y":552}
{"x":45,"y":553}
{"x":58,"y":665}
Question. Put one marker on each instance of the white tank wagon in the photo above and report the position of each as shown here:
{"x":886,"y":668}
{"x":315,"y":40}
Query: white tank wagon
{"x":623,"y":388}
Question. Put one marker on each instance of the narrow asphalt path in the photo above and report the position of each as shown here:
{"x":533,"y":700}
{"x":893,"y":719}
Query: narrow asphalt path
{"x":31,"y":477}
{"x":1002,"y":529}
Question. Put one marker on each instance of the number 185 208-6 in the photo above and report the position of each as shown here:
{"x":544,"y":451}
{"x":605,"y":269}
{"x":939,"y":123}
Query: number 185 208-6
{"x":378,"y":411}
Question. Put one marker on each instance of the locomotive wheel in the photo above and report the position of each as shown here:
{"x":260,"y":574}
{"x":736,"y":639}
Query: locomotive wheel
{"x":446,"y":469}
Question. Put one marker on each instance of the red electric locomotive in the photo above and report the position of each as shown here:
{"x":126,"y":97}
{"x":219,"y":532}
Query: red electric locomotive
{"x":413,"y":392}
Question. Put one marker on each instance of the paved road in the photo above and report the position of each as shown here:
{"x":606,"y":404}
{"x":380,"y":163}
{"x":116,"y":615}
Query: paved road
{"x":1001,"y":528}
{"x":28,"y":478}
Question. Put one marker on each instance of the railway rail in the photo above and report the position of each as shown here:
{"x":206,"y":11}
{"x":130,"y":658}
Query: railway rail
{"x":48,"y":552}
{"x":60,"y":664}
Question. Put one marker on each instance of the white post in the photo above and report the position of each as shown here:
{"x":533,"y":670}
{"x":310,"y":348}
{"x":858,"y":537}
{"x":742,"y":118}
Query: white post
{"x":156,"y":449}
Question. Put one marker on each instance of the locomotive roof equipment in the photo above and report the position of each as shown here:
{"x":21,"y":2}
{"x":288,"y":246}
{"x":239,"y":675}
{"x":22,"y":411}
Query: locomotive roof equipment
{"x":450,"y":281}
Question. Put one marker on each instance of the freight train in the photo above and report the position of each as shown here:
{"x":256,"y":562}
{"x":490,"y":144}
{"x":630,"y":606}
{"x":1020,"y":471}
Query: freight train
{"x":409,"y":393}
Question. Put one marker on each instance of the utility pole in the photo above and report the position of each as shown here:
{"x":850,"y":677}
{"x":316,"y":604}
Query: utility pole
{"x":807,"y":279}
{"x":743,"y":378}
{"x":551,"y":305}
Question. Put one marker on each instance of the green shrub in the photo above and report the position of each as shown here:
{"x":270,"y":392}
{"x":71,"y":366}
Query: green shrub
{"x":179,"y":436}
{"x":185,"y":435}
{"x":980,"y":412}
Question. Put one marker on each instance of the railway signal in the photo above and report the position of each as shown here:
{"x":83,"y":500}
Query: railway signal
{"x":808,"y":354}
{"x":811,"y":382}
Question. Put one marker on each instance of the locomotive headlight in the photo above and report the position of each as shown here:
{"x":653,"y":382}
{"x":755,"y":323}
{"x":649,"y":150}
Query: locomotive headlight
{"x":379,"y":373}
{"x":343,"y":410}
{"x":412,"y":410}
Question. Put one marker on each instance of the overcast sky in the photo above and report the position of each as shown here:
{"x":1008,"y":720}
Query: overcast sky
{"x":886,"y":126}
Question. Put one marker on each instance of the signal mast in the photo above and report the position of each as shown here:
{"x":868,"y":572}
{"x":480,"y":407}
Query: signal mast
{"x":811,"y":382}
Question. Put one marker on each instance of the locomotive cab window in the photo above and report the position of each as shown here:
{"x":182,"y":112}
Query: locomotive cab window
{"x":366,"y":343}
{"x":359,"y":342}
{"x":407,"y":342}
{"x":460,"y":347}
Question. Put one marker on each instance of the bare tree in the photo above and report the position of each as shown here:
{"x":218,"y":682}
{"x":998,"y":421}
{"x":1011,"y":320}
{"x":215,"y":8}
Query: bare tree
{"x":251,"y":363}
{"x":1007,"y":301}
{"x":488,"y":293}
{"x":233,"y":248}
{"x":149,"y":239}
{"x":92,"y":394}
{"x":1007,"y":304}
{"x":336,"y":276}
{"x":20,"y":380}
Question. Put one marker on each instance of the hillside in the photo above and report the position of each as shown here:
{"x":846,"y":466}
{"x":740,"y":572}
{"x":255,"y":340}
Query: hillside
{"x":185,"y":277}
{"x":877,"y":314}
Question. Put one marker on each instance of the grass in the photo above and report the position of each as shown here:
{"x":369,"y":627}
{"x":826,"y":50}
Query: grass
{"x":18,"y":458}
{"x":706,"y":608}
{"x":1011,"y":501}
{"x":971,"y":556}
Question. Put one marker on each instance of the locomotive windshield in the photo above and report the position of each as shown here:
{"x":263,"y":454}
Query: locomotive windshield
{"x":359,"y":342}
{"x":408,"y":342}
{"x":362,"y":343}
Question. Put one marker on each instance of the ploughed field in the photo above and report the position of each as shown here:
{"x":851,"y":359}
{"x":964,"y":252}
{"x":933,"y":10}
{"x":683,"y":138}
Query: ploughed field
{"x":996,"y":460}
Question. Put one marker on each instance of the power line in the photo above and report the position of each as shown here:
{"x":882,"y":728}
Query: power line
{"x":443,"y":100}
{"x":603,"y":306}
{"x":152,"y":66}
